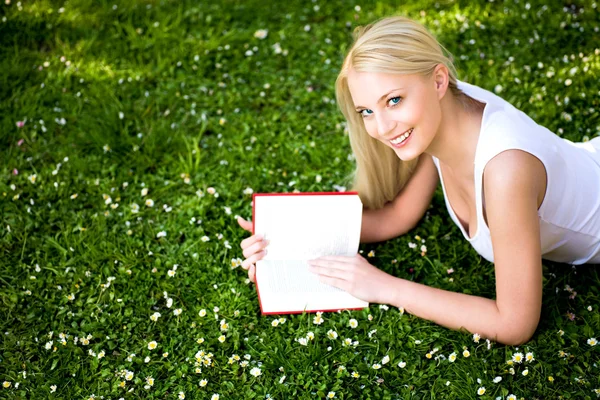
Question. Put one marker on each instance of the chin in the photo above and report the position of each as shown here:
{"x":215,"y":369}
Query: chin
{"x":405,"y":156}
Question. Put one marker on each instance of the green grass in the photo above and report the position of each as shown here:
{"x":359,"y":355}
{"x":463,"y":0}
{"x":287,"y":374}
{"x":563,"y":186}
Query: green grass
{"x":194,"y":103}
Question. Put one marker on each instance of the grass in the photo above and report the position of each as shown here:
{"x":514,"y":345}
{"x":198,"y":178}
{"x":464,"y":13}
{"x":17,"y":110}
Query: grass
{"x":180,"y":98}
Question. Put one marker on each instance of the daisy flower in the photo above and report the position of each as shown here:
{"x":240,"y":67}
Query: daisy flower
{"x":525,"y":372}
{"x":181,"y":395}
{"x":481,"y":391}
{"x":331,"y":334}
{"x":529,"y":357}
{"x":261,"y":33}
{"x":518,"y":358}
{"x":224,"y":325}
{"x":476,"y":337}
{"x":330,"y":395}
{"x":466,"y":353}
{"x":149,"y":203}
{"x":154,"y":317}
{"x":202,"y":313}
{"x":152,"y":345}
{"x":318,"y":320}
{"x":203,"y":382}
{"x":215,"y":397}
{"x":221,"y":338}
{"x":376,"y":366}
{"x":353,"y":323}
{"x":150,"y":380}
{"x":255,"y":372}
{"x":355,"y":374}
{"x":452,"y":357}
{"x":128,"y":375}
{"x":592,"y":341}
{"x":511,"y":397}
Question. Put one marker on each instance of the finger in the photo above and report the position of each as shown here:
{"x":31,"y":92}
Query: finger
{"x":339,"y":259}
{"x":329,"y":272}
{"x":252,"y":273}
{"x":253,"y":259}
{"x":320,"y":262}
{"x":335,"y":282}
{"x":247,"y":225}
{"x":249,"y":241}
{"x":255,"y":248}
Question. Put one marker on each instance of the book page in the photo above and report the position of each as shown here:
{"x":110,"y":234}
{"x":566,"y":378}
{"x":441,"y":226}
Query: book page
{"x":289,"y":276}
{"x":288,"y":287}
{"x":302,"y":227}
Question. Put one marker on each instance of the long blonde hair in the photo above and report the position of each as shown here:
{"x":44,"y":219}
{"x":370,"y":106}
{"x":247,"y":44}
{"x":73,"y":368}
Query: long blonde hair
{"x":395,"y":45}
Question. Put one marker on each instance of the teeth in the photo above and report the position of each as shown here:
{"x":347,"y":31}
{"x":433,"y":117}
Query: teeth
{"x":402,"y":137}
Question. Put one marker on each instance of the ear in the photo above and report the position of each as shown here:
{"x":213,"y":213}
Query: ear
{"x":441,"y":80}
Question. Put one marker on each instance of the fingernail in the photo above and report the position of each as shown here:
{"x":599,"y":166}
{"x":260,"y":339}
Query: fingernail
{"x":265,"y":251}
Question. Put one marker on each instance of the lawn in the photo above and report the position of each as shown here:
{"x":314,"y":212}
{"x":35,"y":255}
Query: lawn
{"x":132,"y":132}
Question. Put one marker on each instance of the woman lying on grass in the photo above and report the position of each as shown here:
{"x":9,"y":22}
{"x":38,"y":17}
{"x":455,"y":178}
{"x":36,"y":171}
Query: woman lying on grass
{"x":517,"y":192}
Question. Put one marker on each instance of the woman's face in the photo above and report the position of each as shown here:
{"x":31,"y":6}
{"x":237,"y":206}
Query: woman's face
{"x":401,"y":111}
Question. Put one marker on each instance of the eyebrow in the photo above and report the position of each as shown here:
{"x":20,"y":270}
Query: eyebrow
{"x":380,"y":99}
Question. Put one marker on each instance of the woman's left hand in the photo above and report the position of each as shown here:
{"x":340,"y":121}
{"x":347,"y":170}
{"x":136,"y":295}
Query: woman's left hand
{"x":354,"y":275}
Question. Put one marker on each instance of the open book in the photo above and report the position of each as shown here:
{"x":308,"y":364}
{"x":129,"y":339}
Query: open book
{"x":301,"y":227}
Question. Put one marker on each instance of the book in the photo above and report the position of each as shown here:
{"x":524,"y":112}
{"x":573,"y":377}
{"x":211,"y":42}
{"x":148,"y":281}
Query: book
{"x":301,"y":227}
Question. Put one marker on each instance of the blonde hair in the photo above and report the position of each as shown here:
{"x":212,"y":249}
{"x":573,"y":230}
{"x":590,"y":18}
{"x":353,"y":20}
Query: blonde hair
{"x":395,"y":45}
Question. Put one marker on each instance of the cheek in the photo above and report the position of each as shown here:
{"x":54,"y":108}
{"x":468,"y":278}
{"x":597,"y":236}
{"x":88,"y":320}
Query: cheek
{"x":371,"y":128}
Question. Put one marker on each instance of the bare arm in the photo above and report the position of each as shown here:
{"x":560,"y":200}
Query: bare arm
{"x":512,"y":190}
{"x":404,"y":212}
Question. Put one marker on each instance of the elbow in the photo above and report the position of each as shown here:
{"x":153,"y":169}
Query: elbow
{"x":516,"y":338}
{"x":517,"y":334}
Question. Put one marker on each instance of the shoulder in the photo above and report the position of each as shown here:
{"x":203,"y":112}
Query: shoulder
{"x":513,"y":175}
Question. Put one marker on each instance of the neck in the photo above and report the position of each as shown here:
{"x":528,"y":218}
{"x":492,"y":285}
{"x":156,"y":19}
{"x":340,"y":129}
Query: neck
{"x":456,"y":140}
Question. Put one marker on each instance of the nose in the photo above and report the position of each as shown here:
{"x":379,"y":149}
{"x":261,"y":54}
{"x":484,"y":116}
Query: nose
{"x":384,"y":124}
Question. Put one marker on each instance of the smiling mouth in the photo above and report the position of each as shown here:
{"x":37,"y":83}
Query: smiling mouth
{"x":399,"y":139}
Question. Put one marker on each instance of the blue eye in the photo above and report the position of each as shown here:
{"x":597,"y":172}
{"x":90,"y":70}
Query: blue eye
{"x":366,"y":112}
{"x":394,"y":100}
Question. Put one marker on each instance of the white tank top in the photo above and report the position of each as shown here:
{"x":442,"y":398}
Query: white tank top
{"x":570,"y":213}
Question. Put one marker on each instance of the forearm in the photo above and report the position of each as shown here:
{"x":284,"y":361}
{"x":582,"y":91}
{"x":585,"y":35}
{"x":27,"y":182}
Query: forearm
{"x":454,"y":310}
{"x":382,"y":224}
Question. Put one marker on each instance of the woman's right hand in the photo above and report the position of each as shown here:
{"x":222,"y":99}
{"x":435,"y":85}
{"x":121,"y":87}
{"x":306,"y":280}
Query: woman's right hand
{"x":254,"y":248}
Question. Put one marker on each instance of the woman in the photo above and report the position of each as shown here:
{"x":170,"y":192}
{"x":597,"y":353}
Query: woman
{"x":504,"y":179}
